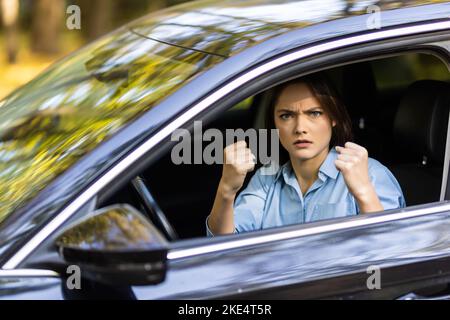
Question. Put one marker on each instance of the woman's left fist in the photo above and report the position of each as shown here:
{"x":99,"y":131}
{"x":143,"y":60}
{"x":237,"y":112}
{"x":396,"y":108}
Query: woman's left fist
{"x":353,"y":162}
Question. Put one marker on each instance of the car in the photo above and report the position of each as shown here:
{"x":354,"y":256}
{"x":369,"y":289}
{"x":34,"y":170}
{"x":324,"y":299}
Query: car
{"x":92,"y":207}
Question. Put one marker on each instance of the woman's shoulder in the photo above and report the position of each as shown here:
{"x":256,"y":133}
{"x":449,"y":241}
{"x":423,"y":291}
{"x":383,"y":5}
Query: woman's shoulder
{"x":377,"y":169}
{"x":375,"y":165}
{"x":386,"y":184}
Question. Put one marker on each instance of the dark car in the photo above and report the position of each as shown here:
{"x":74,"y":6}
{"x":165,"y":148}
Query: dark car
{"x":91,"y":205}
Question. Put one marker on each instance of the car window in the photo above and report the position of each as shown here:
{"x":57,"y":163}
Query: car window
{"x":243,"y":105}
{"x":394,"y":165}
{"x":409,"y":68}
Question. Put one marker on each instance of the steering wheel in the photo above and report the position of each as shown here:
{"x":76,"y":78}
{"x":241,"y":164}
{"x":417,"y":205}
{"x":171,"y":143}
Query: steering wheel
{"x":153,"y":209}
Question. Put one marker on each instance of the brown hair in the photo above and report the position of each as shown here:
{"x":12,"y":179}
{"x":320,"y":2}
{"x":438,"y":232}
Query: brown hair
{"x":329,"y":100}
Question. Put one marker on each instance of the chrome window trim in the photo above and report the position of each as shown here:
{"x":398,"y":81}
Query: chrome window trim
{"x":98,"y":185}
{"x":446,"y":160}
{"x":445,"y":44}
{"x":313,"y":230}
{"x":31,"y":273}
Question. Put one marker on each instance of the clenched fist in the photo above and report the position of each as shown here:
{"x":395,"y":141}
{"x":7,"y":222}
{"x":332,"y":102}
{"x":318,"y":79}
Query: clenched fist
{"x":238,"y":160}
{"x":352,"y":161}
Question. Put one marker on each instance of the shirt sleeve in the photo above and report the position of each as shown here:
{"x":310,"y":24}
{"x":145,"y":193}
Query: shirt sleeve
{"x":249,"y":205}
{"x":386,"y":186}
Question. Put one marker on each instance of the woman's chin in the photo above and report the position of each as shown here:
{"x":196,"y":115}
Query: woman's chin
{"x":303,"y":154}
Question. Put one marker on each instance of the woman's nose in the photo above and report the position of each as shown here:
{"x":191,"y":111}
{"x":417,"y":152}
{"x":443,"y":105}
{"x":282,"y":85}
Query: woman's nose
{"x":300,"y":125}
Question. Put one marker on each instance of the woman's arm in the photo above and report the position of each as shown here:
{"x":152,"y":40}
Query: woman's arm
{"x":352,"y":161}
{"x":220,"y":219}
{"x":238,"y":161}
{"x":368,"y":201}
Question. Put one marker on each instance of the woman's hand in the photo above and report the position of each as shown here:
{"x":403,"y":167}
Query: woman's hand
{"x":353,"y":162}
{"x":238,"y":160}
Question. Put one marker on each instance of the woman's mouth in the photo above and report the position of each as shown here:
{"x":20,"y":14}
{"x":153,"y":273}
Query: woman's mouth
{"x":302,"y":143}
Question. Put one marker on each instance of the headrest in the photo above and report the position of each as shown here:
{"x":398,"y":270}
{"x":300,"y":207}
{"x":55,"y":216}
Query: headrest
{"x":420,"y":125}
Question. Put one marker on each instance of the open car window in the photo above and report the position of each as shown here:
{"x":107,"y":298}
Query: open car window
{"x":184,"y":190}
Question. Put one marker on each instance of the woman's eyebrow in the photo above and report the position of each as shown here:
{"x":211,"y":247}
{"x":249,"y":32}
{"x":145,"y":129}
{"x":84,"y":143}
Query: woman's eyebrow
{"x":286,"y":110}
{"x":307,"y":110}
{"x":314,"y":109}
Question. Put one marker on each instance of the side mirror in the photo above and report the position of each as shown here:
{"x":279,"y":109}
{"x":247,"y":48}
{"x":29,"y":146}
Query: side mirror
{"x":116,"y":245}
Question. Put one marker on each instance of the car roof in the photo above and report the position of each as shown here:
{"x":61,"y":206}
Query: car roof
{"x":226,"y":28}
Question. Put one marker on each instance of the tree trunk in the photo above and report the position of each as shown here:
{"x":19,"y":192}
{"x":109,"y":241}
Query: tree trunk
{"x":47,"y":24}
{"x":97,"y":17}
{"x":10,"y":16}
{"x":157,"y":5}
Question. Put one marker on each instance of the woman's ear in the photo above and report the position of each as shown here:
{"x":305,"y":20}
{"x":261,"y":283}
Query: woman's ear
{"x":333,"y":123}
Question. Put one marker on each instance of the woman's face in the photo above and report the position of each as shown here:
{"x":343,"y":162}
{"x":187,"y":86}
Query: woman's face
{"x":304,"y":127}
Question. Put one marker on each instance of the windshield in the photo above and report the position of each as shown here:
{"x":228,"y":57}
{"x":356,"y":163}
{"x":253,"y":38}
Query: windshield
{"x":79,"y":102}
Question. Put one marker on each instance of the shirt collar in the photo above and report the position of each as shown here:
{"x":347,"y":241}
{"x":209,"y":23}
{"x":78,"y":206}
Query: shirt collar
{"x":328,"y":168}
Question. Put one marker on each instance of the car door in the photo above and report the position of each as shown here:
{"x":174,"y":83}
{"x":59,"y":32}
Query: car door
{"x":382,"y":256}
{"x":395,"y":254}
{"x":30,"y":284}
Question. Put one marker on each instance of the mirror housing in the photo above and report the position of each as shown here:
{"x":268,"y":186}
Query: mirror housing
{"x":116,"y":245}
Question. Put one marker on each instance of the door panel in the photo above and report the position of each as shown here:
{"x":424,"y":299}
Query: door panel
{"x":30,"y":288}
{"x":410,"y":253}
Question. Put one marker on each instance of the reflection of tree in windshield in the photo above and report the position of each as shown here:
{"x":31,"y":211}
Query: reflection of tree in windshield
{"x":79,"y":102}
{"x":213,"y":33}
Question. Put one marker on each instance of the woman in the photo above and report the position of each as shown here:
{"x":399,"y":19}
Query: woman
{"x":327,"y":176}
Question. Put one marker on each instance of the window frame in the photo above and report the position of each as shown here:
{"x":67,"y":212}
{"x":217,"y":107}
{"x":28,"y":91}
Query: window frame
{"x":310,"y":58}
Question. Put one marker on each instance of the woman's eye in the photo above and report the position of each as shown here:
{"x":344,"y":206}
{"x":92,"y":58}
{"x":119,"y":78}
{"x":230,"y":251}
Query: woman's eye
{"x":316,"y":114}
{"x":285,"y":116}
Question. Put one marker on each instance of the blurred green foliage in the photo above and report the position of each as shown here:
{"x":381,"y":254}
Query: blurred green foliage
{"x":53,"y":121}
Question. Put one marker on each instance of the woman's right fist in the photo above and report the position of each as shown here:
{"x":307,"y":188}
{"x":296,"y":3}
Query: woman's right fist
{"x":238,"y":160}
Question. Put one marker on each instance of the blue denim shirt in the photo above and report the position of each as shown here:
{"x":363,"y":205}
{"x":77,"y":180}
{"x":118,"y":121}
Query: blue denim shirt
{"x":276,"y":200}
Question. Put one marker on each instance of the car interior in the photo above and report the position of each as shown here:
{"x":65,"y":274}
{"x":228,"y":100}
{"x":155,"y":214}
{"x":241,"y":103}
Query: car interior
{"x":399,"y":106}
